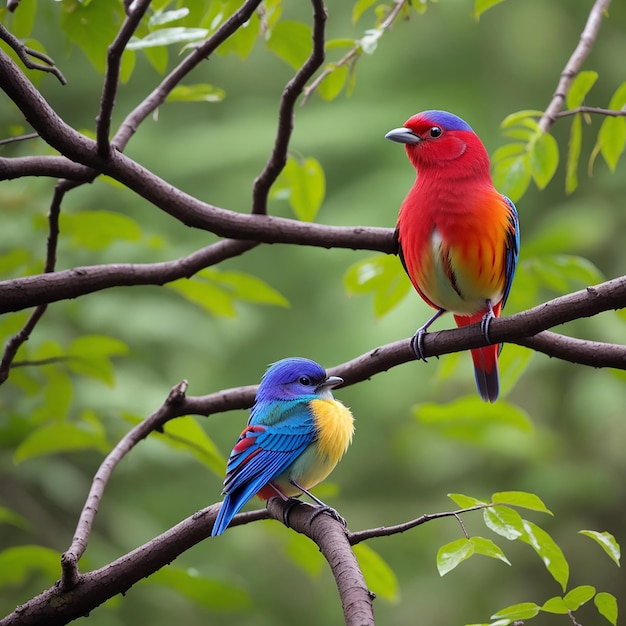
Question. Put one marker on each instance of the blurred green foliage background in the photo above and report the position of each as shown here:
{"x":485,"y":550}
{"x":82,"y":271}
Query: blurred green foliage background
{"x":398,"y":467}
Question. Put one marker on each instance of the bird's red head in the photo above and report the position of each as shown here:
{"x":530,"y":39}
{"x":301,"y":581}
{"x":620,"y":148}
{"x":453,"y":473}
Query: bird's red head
{"x":442,"y":140}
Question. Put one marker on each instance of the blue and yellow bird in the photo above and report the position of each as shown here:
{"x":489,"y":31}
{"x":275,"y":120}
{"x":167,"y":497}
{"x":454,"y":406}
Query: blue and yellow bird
{"x":296,"y":434}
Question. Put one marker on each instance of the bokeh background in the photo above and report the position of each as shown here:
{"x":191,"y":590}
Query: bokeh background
{"x":397,"y":468}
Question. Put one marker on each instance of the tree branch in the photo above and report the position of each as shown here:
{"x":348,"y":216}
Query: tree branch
{"x":353,"y":54}
{"x":129,"y":126}
{"x":595,"y":110}
{"x":330,"y":536}
{"x":292,"y":91}
{"x":112,"y":75}
{"x":15,"y":342}
{"x":24,"y":53}
{"x":587,"y":39}
{"x":58,"y":605}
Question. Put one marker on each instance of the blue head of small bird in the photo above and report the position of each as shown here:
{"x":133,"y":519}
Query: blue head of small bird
{"x":296,"y":377}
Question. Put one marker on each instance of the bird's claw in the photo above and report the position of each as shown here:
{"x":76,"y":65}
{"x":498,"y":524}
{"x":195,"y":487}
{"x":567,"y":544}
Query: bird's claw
{"x":417,"y":344}
{"x":485,"y":323}
{"x":329,"y":511}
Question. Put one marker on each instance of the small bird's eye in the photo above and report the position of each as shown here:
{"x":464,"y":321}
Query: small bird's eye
{"x":304,"y":380}
{"x":435,"y":132}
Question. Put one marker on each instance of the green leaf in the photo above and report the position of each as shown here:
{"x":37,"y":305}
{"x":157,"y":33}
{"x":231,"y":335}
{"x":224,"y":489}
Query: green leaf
{"x":24,"y":19}
{"x":90,"y":355}
{"x":605,"y":603}
{"x":8,"y":516}
{"x":211,"y":594}
{"x":512,"y":362}
{"x":555,"y":605}
{"x":92,"y":26}
{"x":383,"y":276}
{"x":524,"y":610}
{"x":243,"y":40}
{"x":334,"y":82}
{"x":563,"y":272}
{"x":213,"y":299}
{"x":465,"y":502}
{"x":480,"y":6}
{"x":244,"y":286}
{"x":167,"y":37}
{"x":549,"y":552}
{"x":302,"y":181}
{"x":518,"y":117}
{"x":165,"y":17}
{"x":573,"y":154}
{"x":379,"y":577}
{"x":305,"y":553}
{"x":578,"y":596}
{"x":359,"y":8}
{"x":522,"y":499}
{"x":97,"y":230}
{"x":607,"y":541}
{"x":612,"y":140}
{"x":216,"y":291}
{"x":62,"y":437}
{"x":196,"y":93}
{"x":511,"y":176}
{"x":580,"y":87}
{"x":453,"y":553}
{"x":184,"y":433}
{"x":472,"y":420}
{"x":544,"y":159}
{"x":292,"y":42}
{"x":486,"y":547}
{"x":504,"y":521}
{"x":20,"y":562}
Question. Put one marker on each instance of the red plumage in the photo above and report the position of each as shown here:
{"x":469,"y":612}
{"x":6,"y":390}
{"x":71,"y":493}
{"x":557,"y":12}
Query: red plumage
{"x":458,"y":237}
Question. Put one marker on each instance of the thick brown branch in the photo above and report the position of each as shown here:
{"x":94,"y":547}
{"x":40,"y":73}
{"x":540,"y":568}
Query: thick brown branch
{"x":53,"y":166}
{"x":330,"y":536}
{"x":60,"y":605}
{"x":587,"y":39}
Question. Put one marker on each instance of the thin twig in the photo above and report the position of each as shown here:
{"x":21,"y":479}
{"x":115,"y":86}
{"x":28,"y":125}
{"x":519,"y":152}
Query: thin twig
{"x":69,"y":560}
{"x":199,"y":54}
{"x":24,"y":53}
{"x":354,"y":53}
{"x":291,"y":93}
{"x":593,"y":110}
{"x":9,"y":140}
{"x":111,"y":77}
{"x":587,"y":39}
{"x":17,"y":340}
{"x":388,"y":531}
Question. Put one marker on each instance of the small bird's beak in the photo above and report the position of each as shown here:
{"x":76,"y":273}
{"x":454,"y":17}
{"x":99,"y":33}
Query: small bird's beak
{"x":331,"y":382}
{"x":403,"y":135}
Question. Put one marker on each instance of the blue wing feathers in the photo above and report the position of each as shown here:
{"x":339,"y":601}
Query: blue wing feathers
{"x":512,"y":250}
{"x":274,"y":439}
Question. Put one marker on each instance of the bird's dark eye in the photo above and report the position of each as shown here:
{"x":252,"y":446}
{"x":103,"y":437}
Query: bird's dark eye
{"x":304,"y":380}
{"x":435,"y":132}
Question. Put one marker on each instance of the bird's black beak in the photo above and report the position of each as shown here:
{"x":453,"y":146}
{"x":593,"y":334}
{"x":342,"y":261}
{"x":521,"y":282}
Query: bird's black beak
{"x":402,"y":135}
{"x":331,"y":382}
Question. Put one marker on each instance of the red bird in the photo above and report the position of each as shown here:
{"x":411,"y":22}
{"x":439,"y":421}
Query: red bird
{"x":458,"y":237}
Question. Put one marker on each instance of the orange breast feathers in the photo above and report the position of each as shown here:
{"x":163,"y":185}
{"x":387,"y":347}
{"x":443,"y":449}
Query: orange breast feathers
{"x":454,"y":247}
